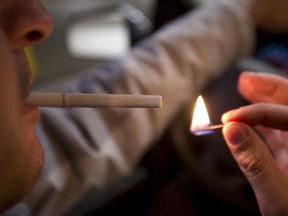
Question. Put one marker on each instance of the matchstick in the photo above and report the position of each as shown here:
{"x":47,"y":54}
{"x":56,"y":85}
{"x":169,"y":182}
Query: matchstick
{"x":213,"y":127}
{"x":206,"y":130}
{"x":59,"y":99}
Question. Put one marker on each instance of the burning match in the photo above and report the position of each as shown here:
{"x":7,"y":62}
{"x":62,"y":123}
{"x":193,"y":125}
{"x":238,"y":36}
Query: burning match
{"x":58,"y":99}
{"x":201,"y":124}
{"x":206,"y":130}
{"x":212,"y":127}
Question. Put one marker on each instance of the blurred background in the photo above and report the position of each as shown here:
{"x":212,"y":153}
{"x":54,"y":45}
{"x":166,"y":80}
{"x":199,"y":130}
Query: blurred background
{"x":175,"y":177}
{"x":90,"y":32}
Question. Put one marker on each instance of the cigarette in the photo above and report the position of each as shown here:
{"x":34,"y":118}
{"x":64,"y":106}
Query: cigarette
{"x":60,"y":99}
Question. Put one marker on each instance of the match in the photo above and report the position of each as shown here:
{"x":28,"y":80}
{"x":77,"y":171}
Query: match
{"x":213,"y":127}
{"x":60,"y":99}
{"x":206,"y":130}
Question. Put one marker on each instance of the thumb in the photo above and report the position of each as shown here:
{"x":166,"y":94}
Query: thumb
{"x":257,"y":164}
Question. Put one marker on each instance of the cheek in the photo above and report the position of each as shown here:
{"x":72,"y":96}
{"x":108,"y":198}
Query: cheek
{"x":9,"y":87}
{"x":20,"y":154}
{"x":9,"y":94}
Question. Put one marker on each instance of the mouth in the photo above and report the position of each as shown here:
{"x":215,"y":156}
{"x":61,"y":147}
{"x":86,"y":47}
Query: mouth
{"x":31,"y":112}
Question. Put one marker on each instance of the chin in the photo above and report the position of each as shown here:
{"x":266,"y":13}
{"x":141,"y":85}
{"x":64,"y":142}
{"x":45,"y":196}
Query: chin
{"x":23,"y":177}
{"x":33,"y":167}
{"x":33,"y":154}
{"x":21,"y":158}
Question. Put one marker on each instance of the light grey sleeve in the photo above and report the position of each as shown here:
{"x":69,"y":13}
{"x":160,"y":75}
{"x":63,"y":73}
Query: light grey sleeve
{"x":93,"y":148}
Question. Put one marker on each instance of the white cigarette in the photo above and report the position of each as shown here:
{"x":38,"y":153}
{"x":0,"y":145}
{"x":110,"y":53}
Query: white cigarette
{"x":59,"y":99}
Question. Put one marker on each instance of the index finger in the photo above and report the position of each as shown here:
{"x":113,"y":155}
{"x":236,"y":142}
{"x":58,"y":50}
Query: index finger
{"x":268,"y":115}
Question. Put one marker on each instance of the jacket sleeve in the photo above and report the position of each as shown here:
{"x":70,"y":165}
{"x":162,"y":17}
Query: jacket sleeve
{"x":93,"y":148}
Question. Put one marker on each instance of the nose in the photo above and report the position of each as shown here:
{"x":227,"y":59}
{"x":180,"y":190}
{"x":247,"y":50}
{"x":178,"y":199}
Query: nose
{"x":26,"y":23}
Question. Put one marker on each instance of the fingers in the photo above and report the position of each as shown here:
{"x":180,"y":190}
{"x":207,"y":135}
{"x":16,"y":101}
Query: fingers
{"x":263,"y":87}
{"x":267,"y":115}
{"x":256,"y":162}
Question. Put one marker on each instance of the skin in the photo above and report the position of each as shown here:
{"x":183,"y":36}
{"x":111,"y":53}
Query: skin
{"x":260,"y":161}
{"x":270,"y":15}
{"x":23,"y":23}
{"x":26,"y":22}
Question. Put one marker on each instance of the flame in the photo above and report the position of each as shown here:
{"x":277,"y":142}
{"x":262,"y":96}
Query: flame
{"x":200,"y":117}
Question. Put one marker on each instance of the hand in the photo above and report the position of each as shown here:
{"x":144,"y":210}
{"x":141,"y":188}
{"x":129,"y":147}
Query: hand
{"x":268,"y":88}
{"x":270,"y":15}
{"x":254,"y":157}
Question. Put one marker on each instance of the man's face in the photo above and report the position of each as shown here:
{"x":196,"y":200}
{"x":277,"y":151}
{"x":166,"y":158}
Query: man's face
{"x":23,"y":22}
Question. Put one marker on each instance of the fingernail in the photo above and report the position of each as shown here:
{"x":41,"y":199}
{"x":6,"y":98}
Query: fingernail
{"x":235,"y":134}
